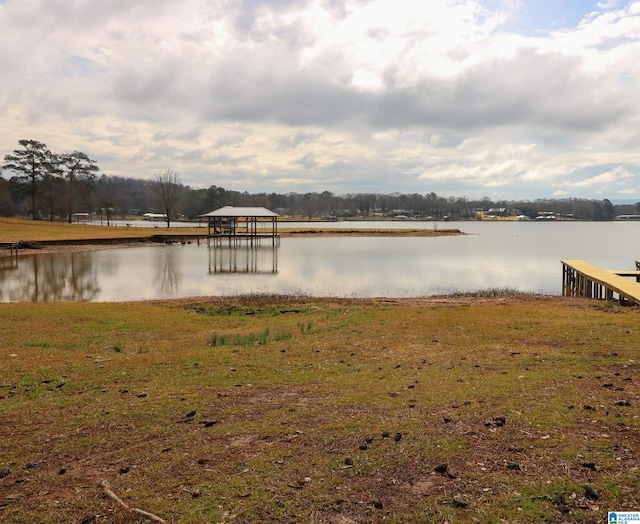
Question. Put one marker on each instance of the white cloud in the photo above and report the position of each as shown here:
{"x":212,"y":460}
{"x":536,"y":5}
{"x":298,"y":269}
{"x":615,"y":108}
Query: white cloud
{"x":328,"y":94}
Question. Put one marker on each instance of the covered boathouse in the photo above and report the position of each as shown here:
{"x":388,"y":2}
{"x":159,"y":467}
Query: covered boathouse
{"x":235,"y":224}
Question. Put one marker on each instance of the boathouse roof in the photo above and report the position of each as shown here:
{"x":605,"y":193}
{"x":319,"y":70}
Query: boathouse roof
{"x":231,"y":211}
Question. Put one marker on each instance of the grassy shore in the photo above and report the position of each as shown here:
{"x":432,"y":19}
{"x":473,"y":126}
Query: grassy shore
{"x":286,"y":409}
{"x":20,"y":230}
{"x":29,"y":231}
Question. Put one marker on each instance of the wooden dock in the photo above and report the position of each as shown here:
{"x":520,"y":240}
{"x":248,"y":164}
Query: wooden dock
{"x":12,"y":247}
{"x":581,"y":279}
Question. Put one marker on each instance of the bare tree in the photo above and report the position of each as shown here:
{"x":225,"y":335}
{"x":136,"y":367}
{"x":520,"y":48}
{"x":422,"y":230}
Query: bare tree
{"x":168,"y":191}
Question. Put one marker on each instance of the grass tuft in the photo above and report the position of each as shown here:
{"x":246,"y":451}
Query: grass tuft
{"x":248,"y":339}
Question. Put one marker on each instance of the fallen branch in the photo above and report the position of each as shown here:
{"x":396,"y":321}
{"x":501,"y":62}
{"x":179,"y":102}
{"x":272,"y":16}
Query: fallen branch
{"x":104,"y":484}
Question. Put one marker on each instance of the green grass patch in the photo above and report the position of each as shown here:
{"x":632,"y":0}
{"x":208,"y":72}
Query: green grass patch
{"x":248,"y":339}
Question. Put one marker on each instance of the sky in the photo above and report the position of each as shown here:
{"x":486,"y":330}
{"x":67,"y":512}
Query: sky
{"x":505,"y":99}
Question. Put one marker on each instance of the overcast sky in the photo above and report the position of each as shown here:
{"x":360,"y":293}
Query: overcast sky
{"x":510,"y":99}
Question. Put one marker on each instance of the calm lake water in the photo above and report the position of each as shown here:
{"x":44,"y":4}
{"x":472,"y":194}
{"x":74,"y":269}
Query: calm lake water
{"x":524,"y":256}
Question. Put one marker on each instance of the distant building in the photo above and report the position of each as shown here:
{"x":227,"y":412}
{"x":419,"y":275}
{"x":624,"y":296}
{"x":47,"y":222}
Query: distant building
{"x":154,"y":217}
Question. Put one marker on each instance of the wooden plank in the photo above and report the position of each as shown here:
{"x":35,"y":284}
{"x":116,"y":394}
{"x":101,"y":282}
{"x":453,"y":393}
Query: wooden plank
{"x":626,"y":272}
{"x":588,"y":274}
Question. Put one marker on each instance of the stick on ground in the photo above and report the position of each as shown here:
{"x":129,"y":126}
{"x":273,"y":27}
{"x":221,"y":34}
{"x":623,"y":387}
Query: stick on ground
{"x":104,"y":484}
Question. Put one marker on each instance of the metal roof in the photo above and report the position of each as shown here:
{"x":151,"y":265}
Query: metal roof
{"x":231,"y":211}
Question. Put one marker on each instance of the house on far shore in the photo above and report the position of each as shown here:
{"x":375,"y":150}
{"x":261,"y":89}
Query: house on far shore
{"x":242,"y":223}
{"x":154,"y":217}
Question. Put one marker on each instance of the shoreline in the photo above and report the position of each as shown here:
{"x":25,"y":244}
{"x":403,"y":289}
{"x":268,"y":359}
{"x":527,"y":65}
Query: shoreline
{"x":337,"y":232}
{"x":78,"y":245}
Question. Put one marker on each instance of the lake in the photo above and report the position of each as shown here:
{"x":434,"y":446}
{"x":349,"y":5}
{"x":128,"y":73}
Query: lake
{"x":523,"y":256}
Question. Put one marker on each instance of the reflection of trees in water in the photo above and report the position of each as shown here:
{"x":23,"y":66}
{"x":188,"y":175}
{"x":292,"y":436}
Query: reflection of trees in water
{"x":167,"y":275}
{"x":51,"y":277}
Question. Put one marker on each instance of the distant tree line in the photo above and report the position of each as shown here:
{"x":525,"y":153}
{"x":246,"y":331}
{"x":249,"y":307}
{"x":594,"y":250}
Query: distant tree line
{"x":38,"y":183}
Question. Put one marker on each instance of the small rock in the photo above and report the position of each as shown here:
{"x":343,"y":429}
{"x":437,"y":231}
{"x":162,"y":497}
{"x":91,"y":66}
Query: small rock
{"x":348,"y":461}
{"x":590,"y":493}
{"x":496,"y":421}
{"x":459,"y":502}
{"x":561,"y":502}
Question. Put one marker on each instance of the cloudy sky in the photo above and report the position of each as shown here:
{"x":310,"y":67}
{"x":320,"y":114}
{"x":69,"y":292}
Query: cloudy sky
{"x":510,"y":99}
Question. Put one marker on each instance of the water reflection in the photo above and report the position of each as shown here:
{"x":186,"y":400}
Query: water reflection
{"x":50,"y":278}
{"x":167,"y":273}
{"x":8,"y":263}
{"x":256,"y":260}
{"x":513,"y":255}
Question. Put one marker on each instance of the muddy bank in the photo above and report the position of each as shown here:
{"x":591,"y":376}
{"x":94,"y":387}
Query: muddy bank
{"x":62,"y":246}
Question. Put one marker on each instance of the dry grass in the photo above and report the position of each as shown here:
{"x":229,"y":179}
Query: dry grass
{"x":503,"y":410}
{"x":17,"y":230}
{"x":20,"y":230}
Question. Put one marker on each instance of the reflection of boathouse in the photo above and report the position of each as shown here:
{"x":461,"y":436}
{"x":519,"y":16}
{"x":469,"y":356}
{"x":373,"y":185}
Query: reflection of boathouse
{"x":236,"y":224}
{"x":248,"y":259}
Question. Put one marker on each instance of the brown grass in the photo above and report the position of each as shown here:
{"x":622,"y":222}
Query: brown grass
{"x":505,"y":408}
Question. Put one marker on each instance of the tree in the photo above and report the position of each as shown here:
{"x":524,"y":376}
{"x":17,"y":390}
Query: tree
{"x":77,"y":169}
{"x":7,"y":207}
{"x":168,"y":190}
{"x":31,"y":165}
{"x":608,"y":209}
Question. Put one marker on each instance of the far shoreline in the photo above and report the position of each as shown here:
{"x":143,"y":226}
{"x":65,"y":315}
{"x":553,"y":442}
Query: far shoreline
{"x":28,"y":247}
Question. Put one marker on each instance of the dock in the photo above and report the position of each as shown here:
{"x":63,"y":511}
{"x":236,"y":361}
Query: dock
{"x":237,"y":224}
{"x":581,"y":279}
{"x":12,"y":247}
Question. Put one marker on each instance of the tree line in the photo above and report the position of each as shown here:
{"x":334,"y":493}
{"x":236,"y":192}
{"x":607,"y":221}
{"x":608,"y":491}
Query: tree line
{"x":38,"y":183}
